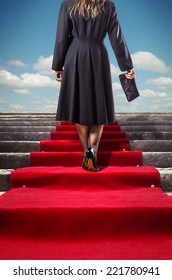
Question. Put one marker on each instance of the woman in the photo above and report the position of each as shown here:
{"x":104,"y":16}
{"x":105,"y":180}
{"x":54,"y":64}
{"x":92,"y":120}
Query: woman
{"x":86,"y":97}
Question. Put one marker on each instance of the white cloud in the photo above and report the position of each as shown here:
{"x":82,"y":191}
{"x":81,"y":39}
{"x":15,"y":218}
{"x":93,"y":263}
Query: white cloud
{"x":43,"y":65}
{"x":17,"y":63}
{"x":2,"y":101}
{"x":50,"y":108}
{"x":151,"y":93}
{"x":116,"y":86}
{"x":149,"y":62}
{"x":22,"y":84}
{"x":21,"y":91}
{"x":7,"y":78}
{"x":168,"y":105}
{"x":161,"y":82}
{"x":37,"y":81}
{"x":44,"y":101}
{"x":164,"y":94}
{"x":148,"y":93}
{"x":16,"y":107}
{"x":114,"y":70}
{"x":27,"y":80}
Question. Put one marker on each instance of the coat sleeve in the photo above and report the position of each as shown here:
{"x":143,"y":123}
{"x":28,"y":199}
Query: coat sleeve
{"x":63,"y":37}
{"x":117,"y":41}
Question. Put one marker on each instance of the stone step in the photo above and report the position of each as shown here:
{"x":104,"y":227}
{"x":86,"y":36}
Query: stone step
{"x":28,"y":122}
{"x":34,"y":146}
{"x":27,"y":128}
{"x":149,"y":132}
{"x":27,"y":115}
{"x":5,"y":179}
{"x":118,"y":115}
{"x":14,"y":160}
{"x":151,"y":145}
{"x":158,"y":159}
{"x":123,"y":118}
{"x":146,"y":128}
{"x":143,"y":135}
{"x":28,"y":118}
{"x":35,"y":136}
{"x":144,"y":117}
{"x":18,"y":160}
{"x":6,"y":114}
{"x":165,"y":181}
{"x":130,"y":128}
{"x":19,"y":146}
{"x":125,"y":123}
{"x":24,"y":136}
{"x":52,"y":123}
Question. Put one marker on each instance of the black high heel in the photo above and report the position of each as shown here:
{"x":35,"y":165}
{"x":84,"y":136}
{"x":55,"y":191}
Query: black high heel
{"x":85,"y":162}
{"x":92,"y":161}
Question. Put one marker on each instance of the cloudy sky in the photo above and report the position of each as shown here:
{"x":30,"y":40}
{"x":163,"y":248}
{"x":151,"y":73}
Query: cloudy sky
{"x":27,"y":35}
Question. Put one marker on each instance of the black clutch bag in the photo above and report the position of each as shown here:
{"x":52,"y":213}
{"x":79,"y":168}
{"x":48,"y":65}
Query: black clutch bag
{"x":129,"y":87}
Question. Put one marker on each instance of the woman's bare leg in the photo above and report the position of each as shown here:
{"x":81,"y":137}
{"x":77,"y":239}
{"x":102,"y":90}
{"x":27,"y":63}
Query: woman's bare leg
{"x":95,"y":134}
{"x":90,"y":138}
{"x":83,"y":132}
{"x":95,"y":137}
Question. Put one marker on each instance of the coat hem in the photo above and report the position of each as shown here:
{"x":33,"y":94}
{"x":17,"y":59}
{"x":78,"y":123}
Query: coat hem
{"x":85,"y":123}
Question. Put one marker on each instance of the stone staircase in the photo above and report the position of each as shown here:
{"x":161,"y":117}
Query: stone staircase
{"x":150,"y":132}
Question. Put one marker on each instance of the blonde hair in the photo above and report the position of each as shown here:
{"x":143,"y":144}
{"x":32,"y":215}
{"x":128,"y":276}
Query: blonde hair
{"x":87,"y":8}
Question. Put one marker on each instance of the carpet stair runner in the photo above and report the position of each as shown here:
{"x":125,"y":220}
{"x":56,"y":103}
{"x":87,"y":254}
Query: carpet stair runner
{"x":57,"y":210}
{"x":74,"y":146}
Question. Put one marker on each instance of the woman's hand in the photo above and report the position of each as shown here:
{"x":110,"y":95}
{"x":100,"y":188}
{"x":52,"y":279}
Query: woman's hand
{"x":59,"y":76}
{"x":130,"y":74}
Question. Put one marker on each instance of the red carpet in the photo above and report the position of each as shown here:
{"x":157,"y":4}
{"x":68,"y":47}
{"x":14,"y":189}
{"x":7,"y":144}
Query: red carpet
{"x":75,"y":146}
{"x":104,"y":159}
{"x":57,"y":210}
{"x":73,"y":135}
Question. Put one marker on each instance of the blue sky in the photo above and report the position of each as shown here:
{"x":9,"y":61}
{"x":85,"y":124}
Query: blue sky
{"x":27,"y":35}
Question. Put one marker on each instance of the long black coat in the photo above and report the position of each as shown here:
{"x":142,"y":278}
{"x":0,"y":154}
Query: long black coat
{"x":86,"y":91}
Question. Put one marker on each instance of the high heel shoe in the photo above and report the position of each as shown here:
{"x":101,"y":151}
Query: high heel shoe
{"x":85,"y":162}
{"x":92,"y":161}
